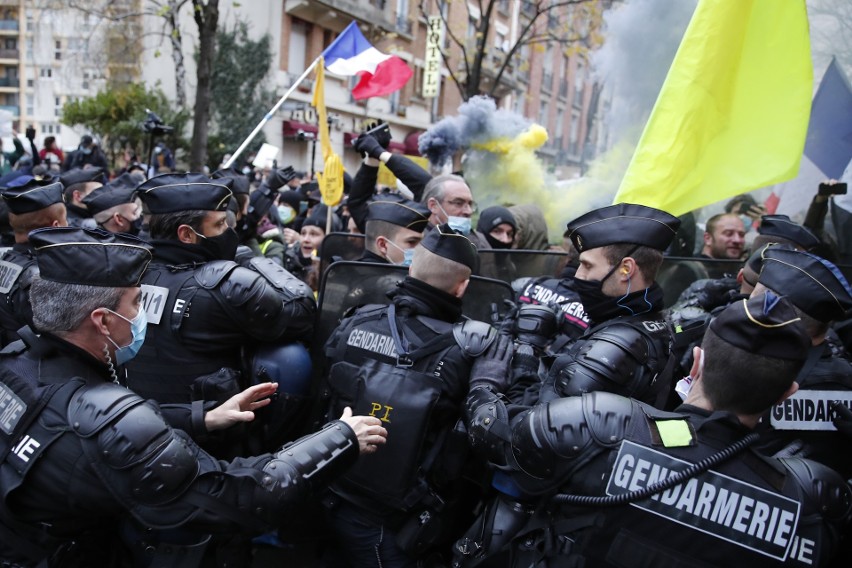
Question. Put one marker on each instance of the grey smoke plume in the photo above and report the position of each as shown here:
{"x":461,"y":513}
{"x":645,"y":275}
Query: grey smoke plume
{"x":478,"y":121}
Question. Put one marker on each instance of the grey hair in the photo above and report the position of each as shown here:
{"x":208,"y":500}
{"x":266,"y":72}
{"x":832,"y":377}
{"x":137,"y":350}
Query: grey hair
{"x":435,"y":187}
{"x":61,"y":307}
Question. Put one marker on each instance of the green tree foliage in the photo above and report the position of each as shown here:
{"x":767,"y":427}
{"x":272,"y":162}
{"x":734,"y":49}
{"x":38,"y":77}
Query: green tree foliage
{"x":115,"y":116}
{"x":240,"y":97}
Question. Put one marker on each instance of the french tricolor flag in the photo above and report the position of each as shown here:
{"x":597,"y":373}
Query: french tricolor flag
{"x":351,"y":54}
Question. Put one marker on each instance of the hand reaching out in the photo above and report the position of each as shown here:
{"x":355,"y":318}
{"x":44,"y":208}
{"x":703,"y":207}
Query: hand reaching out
{"x":240,"y":407}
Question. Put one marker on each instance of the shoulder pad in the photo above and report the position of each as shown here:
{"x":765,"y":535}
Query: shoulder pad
{"x":15,"y":348}
{"x":823,"y":491}
{"x":93,"y":407}
{"x":278,"y":277}
{"x":520,"y":284}
{"x":474,"y":337}
{"x":607,"y":416}
{"x":212,"y":273}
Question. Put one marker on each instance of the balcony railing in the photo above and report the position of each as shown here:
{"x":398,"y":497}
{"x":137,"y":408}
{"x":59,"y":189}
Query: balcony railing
{"x":9,"y":25}
{"x":9,"y":82}
{"x":14,"y":109}
{"x":9,"y":54}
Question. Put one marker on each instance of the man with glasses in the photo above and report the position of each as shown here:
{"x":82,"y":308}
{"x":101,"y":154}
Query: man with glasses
{"x":450,"y":201}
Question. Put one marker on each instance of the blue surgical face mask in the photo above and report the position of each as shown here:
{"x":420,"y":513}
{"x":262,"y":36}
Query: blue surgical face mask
{"x":138,"y":327}
{"x":460,"y":224}
{"x":286,"y":214}
{"x":407,"y":254}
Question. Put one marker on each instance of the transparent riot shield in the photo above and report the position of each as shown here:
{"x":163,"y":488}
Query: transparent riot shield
{"x":677,"y":273}
{"x":340,"y":246}
{"x":348,"y":284}
{"x":508,"y":265}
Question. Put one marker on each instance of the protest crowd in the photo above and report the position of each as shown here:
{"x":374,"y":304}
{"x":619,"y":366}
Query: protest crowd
{"x":258,"y":366}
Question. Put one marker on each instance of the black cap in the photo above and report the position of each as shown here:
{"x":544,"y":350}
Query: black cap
{"x":399,"y":211}
{"x":623,"y":223}
{"x":764,"y":325}
{"x":450,"y":244}
{"x":86,"y":140}
{"x":116,"y":192}
{"x":291,"y":197}
{"x":33,"y":195}
{"x":784,"y":228}
{"x":813,"y":284}
{"x":754,"y":264}
{"x":319,"y":218}
{"x":490,"y":217}
{"x":91,"y":257}
{"x":170,"y":193}
{"x":239,"y":185}
{"x":82,"y":175}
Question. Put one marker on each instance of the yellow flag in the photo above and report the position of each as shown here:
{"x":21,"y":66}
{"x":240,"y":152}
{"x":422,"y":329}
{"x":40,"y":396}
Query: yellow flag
{"x":733,"y":112}
{"x":331,"y":180}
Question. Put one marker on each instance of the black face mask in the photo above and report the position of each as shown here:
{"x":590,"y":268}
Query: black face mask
{"x":495,"y":244}
{"x":135,"y":225}
{"x":221,"y":247}
{"x":596,"y":304}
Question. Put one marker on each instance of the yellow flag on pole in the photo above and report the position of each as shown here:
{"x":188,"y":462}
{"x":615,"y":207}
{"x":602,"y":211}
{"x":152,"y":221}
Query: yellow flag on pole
{"x":331,"y":180}
{"x":733,"y":112}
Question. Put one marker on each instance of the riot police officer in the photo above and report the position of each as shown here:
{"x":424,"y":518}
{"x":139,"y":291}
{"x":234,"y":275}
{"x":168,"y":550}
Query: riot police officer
{"x":820,"y":294}
{"x":78,"y":184}
{"x":203,"y":308}
{"x":627,"y":350}
{"x":409,"y":364}
{"x":80,"y":455}
{"x":589,"y":467}
{"x":393,"y":229}
{"x":32,"y":205}
{"x":115,"y":206}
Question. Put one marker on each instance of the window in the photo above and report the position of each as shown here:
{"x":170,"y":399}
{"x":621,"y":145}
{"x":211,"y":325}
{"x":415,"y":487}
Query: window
{"x":30,"y":83}
{"x":544,"y":112}
{"x":574,"y":140}
{"x":46,"y":72}
{"x":560,"y":120}
{"x":298,"y":46}
{"x":30,"y":23}
{"x":402,"y":23}
{"x":57,"y":109}
{"x":30,"y":105}
{"x":579,"y":79}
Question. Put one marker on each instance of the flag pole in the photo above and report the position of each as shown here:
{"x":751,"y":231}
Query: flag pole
{"x":271,"y":112}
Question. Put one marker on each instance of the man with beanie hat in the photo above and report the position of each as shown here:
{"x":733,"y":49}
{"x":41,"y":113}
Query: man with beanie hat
{"x":33,"y":204}
{"x":203,"y":309}
{"x":409,"y":363}
{"x":589,"y":459}
{"x":86,"y":463}
{"x":498,"y":225}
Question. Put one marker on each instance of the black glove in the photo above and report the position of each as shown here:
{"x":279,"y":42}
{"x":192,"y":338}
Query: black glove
{"x":381,"y":132}
{"x":843,"y":420}
{"x":717,"y":293}
{"x":30,"y":133}
{"x":277,"y":178}
{"x":492,"y":368}
{"x":366,"y":144}
{"x":524,"y":363}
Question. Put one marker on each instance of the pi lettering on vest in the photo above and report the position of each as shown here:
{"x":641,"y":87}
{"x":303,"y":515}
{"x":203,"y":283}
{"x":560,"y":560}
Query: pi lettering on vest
{"x":717,"y":505}
{"x":12,"y":409}
{"x":809,"y":410}
{"x":381,"y":411}
{"x":26,"y":448}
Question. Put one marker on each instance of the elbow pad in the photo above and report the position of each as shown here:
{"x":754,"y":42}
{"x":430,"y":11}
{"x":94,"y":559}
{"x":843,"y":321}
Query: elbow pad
{"x":488,"y":424}
{"x":305,"y":465}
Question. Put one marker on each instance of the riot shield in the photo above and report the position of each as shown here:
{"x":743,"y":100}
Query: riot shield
{"x":677,"y":273}
{"x":340,"y":246}
{"x":508,"y":265}
{"x":348,"y":284}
